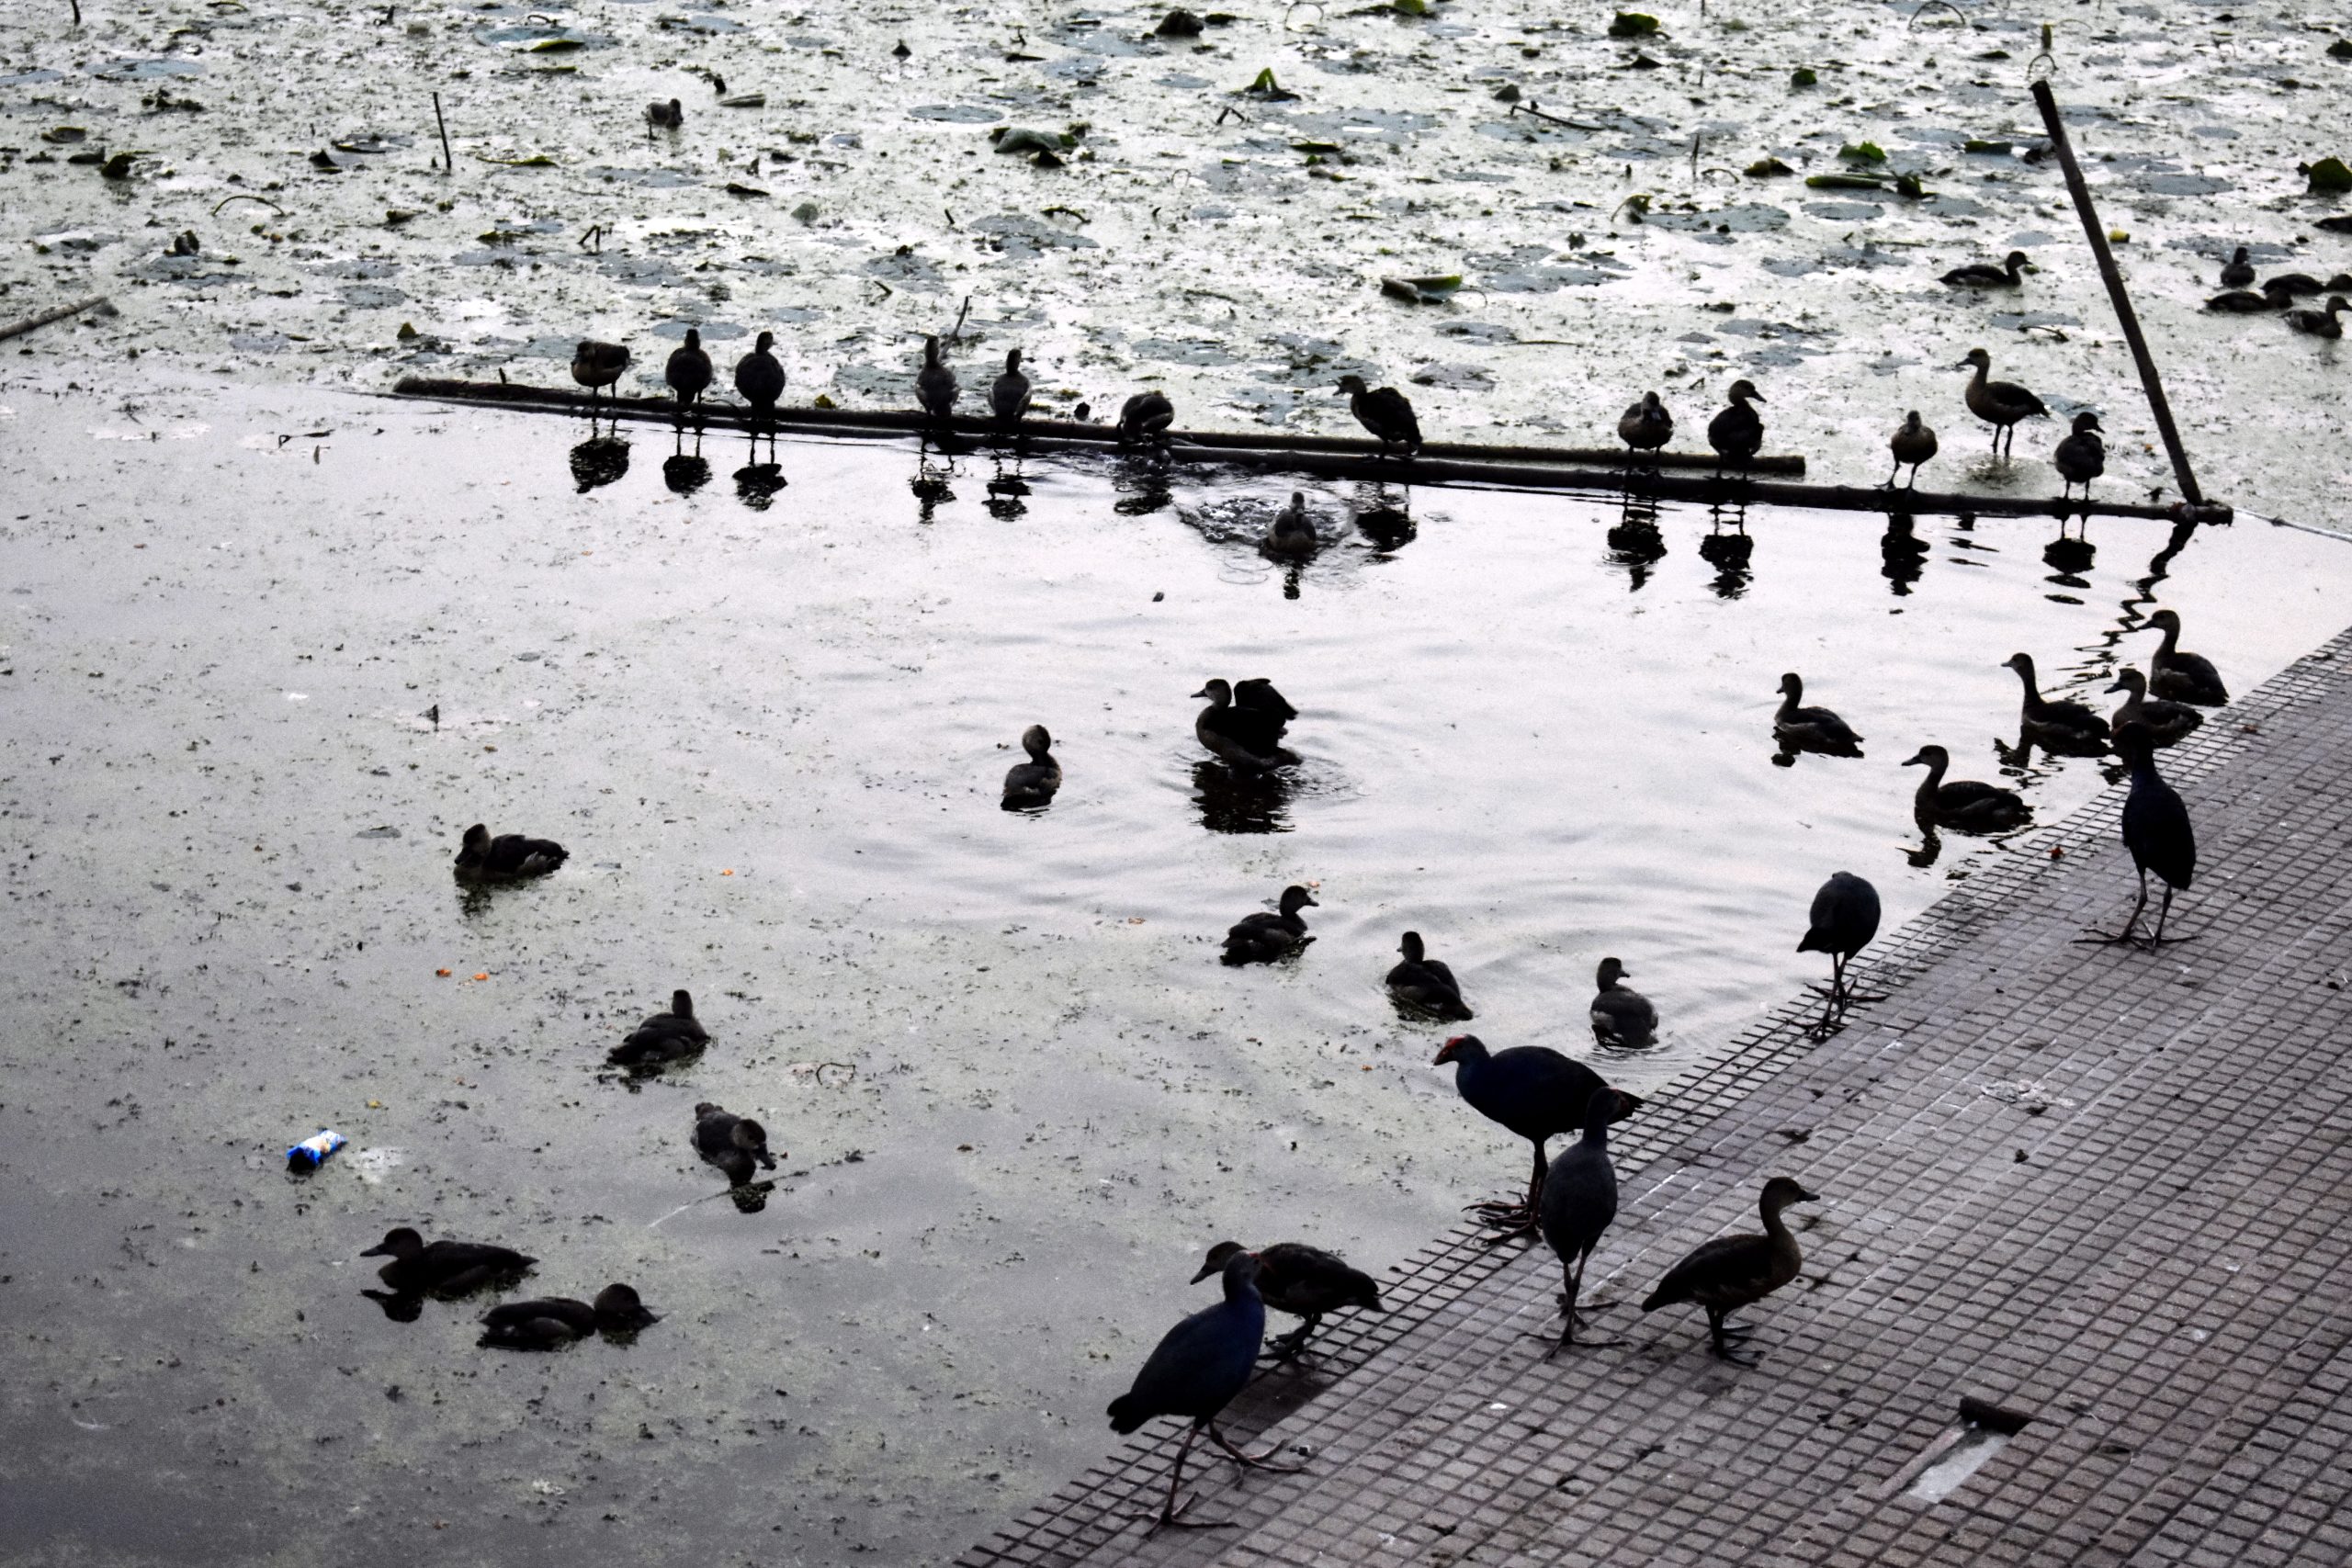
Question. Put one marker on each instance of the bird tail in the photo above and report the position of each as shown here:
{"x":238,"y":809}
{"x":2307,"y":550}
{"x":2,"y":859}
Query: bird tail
{"x":1127,"y":1414}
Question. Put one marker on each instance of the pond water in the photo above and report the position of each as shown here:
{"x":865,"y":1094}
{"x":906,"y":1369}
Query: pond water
{"x":772,"y":735}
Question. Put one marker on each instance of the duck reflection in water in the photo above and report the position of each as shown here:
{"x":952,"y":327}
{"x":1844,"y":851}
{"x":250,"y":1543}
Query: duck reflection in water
{"x":1388,"y":524}
{"x":930,"y":485}
{"x":2071,"y":555}
{"x":1634,"y":541}
{"x":686,"y":472}
{"x":756,"y":484}
{"x":1931,"y":846}
{"x":598,"y":461}
{"x":1142,"y":483}
{"x":1730,"y":553}
{"x":1903,"y":554}
{"x":1241,"y":800}
{"x":1005,"y":493}
{"x":400,"y":1306}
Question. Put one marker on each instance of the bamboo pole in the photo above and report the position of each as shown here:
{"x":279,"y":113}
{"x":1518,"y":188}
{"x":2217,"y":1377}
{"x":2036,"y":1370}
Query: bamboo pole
{"x":18,"y":328}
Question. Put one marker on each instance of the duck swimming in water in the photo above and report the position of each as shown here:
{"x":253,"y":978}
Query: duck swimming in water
{"x":2320,"y":324}
{"x":1144,"y":419}
{"x":759,"y":378}
{"x":2166,"y":722}
{"x":1912,"y":443}
{"x":2000,"y":405}
{"x":2237,"y":272}
{"x":1263,"y":938}
{"x":671,"y":115}
{"x":508,"y":857}
{"x":2066,"y":727}
{"x":2291,"y":285}
{"x":734,"y":1144}
{"x":1979,"y":275}
{"x":2081,"y":457}
{"x":1802,"y":728}
{"x":2242,"y":302}
{"x":1620,"y":1015}
{"x":1244,"y":727}
{"x":663,"y":1038}
{"x":2183,"y":677}
{"x":1425,"y":984}
{"x":1737,"y":432}
{"x":558,"y":1321}
{"x":1292,"y":535}
{"x":1304,"y":1281}
{"x":1009,"y":396}
{"x":1967,"y":805}
{"x":1645,"y":426}
{"x":595,"y":364}
{"x":935,"y":387}
{"x":1735,"y":1271}
{"x":1386,"y":412}
{"x":447,"y":1267}
{"x":688,"y":371}
{"x":1030,"y":784}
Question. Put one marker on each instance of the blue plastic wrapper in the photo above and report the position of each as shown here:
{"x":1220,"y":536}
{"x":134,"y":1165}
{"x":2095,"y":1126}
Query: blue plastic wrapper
{"x":312,"y":1152}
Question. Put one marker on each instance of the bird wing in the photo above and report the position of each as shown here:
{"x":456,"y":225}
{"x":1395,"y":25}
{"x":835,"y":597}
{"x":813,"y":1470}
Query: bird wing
{"x":1967,"y":794}
{"x":1713,"y":1270}
{"x":2157,"y":831}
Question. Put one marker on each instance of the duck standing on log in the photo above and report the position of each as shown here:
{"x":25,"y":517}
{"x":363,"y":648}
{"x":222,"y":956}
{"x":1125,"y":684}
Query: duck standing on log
{"x":595,"y":364}
{"x":1737,"y":432}
{"x":1912,"y":443}
{"x":2081,"y":457}
{"x":1386,"y":412}
{"x":759,"y":380}
{"x":1144,"y":420}
{"x":1645,"y":427}
{"x":935,"y":387}
{"x":688,"y":372}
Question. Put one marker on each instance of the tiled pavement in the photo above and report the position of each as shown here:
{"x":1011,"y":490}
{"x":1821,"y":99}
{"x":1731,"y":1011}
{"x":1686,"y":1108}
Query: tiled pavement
{"x":2105,"y":1190}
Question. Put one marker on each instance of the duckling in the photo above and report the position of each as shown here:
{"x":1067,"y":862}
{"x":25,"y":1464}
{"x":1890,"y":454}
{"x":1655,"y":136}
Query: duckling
{"x":2082,"y":457}
{"x":1304,"y":1281}
{"x":759,"y":378}
{"x":1248,"y":736}
{"x":1621,"y":1015}
{"x":2240,"y":302}
{"x":1803,"y":729}
{"x":1146,"y":418}
{"x":2068,"y":727}
{"x":509,"y":856}
{"x":2320,"y":324}
{"x":734,"y":1144}
{"x":1292,"y":535}
{"x":1737,"y":432}
{"x":2292,"y":285}
{"x":595,"y":364}
{"x":1031,"y":785}
{"x":2166,"y":722}
{"x":1966,"y":806}
{"x":2237,"y":272}
{"x":447,"y":1267}
{"x":1912,"y":443}
{"x":1645,"y":426}
{"x":688,"y":371}
{"x":671,"y":115}
{"x":2000,"y":405}
{"x":935,"y":387}
{"x":1735,"y":1271}
{"x":1979,"y":275}
{"x":663,"y":1038}
{"x":1009,"y":396}
{"x":1425,"y":984}
{"x":558,"y":1321}
{"x":2183,"y":677}
{"x":1386,"y":412}
{"x":1263,"y":938}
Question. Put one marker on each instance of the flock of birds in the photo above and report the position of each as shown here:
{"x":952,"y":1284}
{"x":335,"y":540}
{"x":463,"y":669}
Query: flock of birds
{"x":2278,"y":292}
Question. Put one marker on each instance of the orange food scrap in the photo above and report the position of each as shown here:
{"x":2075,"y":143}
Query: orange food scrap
{"x":729,"y":872}
{"x":483,"y":975}
{"x":443,"y":972}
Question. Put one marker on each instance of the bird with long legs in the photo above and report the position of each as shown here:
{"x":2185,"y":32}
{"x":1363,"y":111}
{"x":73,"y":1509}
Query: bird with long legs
{"x":2001,"y":404}
{"x":1576,"y":1209}
{"x":1535,"y":1092}
{"x":1843,"y":920}
{"x":2157,"y":831}
{"x":1304,"y":1281}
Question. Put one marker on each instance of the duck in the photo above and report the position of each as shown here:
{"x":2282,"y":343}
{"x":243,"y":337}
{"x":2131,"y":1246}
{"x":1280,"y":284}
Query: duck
{"x":1384,"y":411}
{"x":595,"y":364}
{"x":1425,"y":984}
{"x":1292,"y":535}
{"x":1737,"y":432}
{"x":1966,"y":804}
{"x":2243,"y":302}
{"x":1304,"y":1281}
{"x":2237,"y":272}
{"x":2000,"y":405}
{"x":2063,"y":727}
{"x":445,"y":1267}
{"x":2291,"y":285}
{"x":1263,"y":938}
{"x":1843,"y":919}
{"x":1982,"y":274}
{"x":734,"y":1144}
{"x":688,"y":371}
{"x":1645,"y":426}
{"x":508,"y":857}
{"x":663,"y":1038}
{"x":1620,"y":1015}
{"x":1575,"y":1207}
{"x":2166,"y":722}
{"x":1248,"y":734}
{"x":2320,"y":324}
{"x":759,"y":378}
{"x":2157,"y":833}
{"x":2081,"y":457}
{"x":1912,"y":443}
{"x":1734,"y":1271}
{"x":1195,"y":1371}
{"x":1531,"y":1090}
{"x":551,"y":1323}
{"x":2339,"y":283}
{"x":1030,"y":784}
{"x":1145,"y":418}
{"x":2184,"y":677}
{"x":671,"y":115}
{"x":1802,"y":728}
{"x":1010,"y":396}
{"x":935,"y":387}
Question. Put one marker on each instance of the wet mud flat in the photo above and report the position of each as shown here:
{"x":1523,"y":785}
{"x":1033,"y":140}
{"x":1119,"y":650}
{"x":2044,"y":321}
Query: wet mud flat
{"x":1019,"y":1093}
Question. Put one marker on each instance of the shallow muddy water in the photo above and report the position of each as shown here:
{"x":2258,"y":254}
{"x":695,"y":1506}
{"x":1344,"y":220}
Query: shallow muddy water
{"x":1019,"y":1092}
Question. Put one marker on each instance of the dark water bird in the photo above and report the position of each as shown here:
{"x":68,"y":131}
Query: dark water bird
{"x":2000,"y":405}
{"x":1735,"y":1271}
{"x":2291,"y":285}
{"x":1535,"y":1092}
{"x":2166,"y":722}
{"x":759,"y":377}
{"x":1620,"y":1015}
{"x":935,"y":387}
{"x":2237,"y":272}
{"x":2183,"y":677}
{"x":1577,"y":1207}
{"x":671,"y":115}
{"x":1984,"y":274}
{"x":1304,"y":1281}
{"x":1843,"y":920}
{"x":1009,"y":398}
{"x":1968,"y":806}
{"x":2081,"y":457}
{"x":688,"y":371}
{"x":1384,"y":411}
{"x":2156,"y":831}
{"x":1247,"y":733}
{"x":2243,"y":302}
{"x":1912,"y":443}
{"x":1263,"y":938}
{"x":2340,"y":283}
{"x":1193,"y":1373}
{"x":1291,"y":535}
{"x":2068,"y":727}
{"x":1426,"y":984}
{"x":558,"y":1321}
{"x":734,"y":1144}
{"x":1645,"y":426}
{"x":2320,"y":324}
{"x":1802,"y":728}
{"x":1030,"y":784}
{"x":595,"y":364}
{"x":1737,"y":432}
{"x":448,"y":1267}
{"x":1145,"y":418}
{"x":482,"y":858}
{"x":663,"y":1038}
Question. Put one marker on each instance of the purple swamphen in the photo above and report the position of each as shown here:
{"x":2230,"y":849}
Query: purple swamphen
{"x":1843,"y":920}
{"x":1578,"y":1202}
{"x":1535,"y":1092}
{"x":2157,"y":833}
